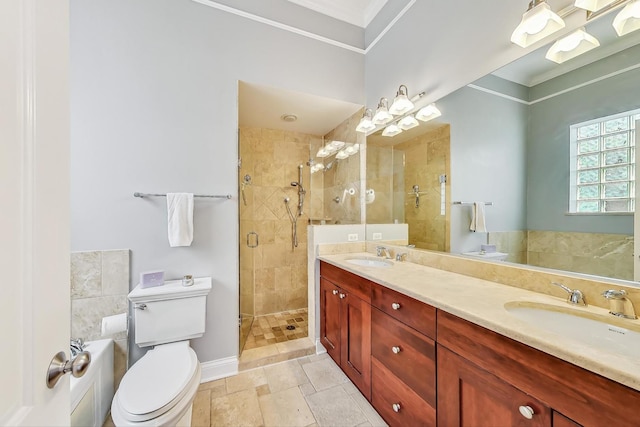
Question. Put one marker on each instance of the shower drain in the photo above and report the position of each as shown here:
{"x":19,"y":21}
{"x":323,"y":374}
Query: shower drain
{"x":291,"y":327}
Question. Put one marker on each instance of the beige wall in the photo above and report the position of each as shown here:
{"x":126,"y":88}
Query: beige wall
{"x":273,"y":276}
{"x":99,"y":288}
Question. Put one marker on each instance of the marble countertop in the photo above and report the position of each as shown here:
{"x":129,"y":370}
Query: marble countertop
{"x":483,"y":302}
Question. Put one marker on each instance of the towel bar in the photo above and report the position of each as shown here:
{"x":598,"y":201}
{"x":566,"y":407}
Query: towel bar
{"x":141,"y":195}
{"x":470,"y":203}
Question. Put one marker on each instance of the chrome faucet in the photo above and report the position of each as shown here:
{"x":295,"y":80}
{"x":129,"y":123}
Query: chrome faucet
{"x":575,"y":296}
{"x":401,"y":256}
{"x":619,"y":304}
{"x":383,"y":251}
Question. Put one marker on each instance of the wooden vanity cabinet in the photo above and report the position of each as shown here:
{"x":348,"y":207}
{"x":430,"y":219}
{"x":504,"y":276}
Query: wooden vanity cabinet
{"x":481,"y":372}
{"x":387,"y":342}
{"x":345,"y":323}
{"x":403,"y":353}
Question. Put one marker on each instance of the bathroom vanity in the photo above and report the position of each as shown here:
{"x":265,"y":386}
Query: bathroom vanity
{"x":429,"y":347}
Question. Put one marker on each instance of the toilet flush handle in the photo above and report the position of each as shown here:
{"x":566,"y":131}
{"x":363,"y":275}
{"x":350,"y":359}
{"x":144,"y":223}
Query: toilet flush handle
{"x":140,"y":306}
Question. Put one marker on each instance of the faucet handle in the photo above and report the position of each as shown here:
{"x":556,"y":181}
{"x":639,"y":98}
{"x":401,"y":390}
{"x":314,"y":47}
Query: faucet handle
{"x":613,"y":294}
{"x":401,"y":256}
{"x":575,"y":295}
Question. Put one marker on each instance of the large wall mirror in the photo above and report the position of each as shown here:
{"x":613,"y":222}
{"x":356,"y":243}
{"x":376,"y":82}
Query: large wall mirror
{"x":547,"y":149}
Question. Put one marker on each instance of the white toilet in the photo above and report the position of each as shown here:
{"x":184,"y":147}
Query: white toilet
{"x":159,"y":389}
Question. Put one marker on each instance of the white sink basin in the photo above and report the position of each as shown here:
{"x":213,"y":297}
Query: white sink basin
{"x":370,"y":262}
{"x":620,"y":336}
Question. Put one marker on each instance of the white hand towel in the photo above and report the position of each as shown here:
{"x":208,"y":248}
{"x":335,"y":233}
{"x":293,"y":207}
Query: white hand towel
{"x":180,"y":218}
{"x":478,"y":222}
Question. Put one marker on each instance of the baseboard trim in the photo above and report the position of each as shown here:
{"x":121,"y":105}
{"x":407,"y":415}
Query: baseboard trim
{"x":220,"y":368}
{"x":319,"y":347}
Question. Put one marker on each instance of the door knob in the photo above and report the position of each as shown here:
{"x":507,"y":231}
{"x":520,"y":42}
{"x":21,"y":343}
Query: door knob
{"x":342,"y":296}
{"x":395,"y":349}
{"x":395,"y":306}
{"x":60,"y":365}
{"x":396,"y":407}
{"x":335,"y":292}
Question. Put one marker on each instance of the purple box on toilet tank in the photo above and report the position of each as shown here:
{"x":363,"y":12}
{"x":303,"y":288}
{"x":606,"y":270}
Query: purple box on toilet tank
{"x":149,"y":279}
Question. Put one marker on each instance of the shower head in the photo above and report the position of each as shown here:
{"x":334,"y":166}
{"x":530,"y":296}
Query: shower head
{"x":295,"y":184}
{"x":286,"y":199}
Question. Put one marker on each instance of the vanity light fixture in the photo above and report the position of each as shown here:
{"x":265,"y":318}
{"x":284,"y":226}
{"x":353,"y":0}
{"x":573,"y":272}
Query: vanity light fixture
{"x":330,"y":148}
{"x":572,"y":45}
{"x":538,"y":22}
{"x":336,"y":145}
{"x":593,"y":5}
{"x":401,"y":104}
{"x":352,"y":149}
{"x":323,"y":152}
{"x":391,"y":130}
{"x":342,"y":154}
{"x":427,"y":113}
{"x":366,"y":122}
{"x":408,"y":122}
{"x":628,"y":19}
{"x":382,"y":116}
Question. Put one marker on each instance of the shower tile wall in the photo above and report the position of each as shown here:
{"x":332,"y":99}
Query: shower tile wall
{"x":344,"y":174}
{"x":426,"y":158}
{"x":99,"y":288}
{"x":513,"y":243}
{"x":273,"y":276}
{"x":380,"y":178}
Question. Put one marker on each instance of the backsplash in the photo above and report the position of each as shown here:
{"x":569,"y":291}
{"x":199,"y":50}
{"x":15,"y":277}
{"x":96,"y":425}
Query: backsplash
{"x":599,"y":254}
{"x":99,"y":288}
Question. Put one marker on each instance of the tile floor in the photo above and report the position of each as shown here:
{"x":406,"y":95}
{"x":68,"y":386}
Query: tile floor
{"x":272,"y":328}
{"x":308,"y":391}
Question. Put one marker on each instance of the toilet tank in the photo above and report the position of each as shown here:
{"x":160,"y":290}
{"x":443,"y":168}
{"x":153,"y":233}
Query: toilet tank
{"x":170,"y":312}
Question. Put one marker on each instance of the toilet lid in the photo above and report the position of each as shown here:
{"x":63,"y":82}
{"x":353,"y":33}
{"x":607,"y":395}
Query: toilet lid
{"x":158,"y":380}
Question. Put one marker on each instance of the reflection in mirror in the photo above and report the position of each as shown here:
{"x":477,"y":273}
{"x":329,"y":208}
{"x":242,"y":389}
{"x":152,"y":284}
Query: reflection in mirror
{"x":408,"y":175}
{"x":520,"y":138}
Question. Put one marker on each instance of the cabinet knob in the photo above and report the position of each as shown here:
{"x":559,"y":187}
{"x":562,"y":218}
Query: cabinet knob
{"x":395,"y":306}
{"x":526,"y":411}
{"x":342,"y":296}
{"x":396,"y":407}
{"x":395,"y":349}
{"x":335,"y":292}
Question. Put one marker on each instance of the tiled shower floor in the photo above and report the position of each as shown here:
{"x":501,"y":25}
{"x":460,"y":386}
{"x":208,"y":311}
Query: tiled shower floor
{"x":272,"y":328}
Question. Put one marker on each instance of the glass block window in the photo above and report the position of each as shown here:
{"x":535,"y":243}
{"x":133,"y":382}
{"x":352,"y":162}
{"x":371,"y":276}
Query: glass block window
{"x":603,"y":164}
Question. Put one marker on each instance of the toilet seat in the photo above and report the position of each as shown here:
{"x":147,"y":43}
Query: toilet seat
{"x":159,"y":388}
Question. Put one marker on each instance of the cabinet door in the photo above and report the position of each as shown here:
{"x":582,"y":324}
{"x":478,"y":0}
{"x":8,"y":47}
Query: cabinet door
{"x":330,"y":318}
{"x":470,"y":396}
{"x":560,"y":420}
{"x":355,"y":358}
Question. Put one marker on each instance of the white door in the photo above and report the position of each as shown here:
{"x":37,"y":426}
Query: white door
{"x":34,"y":209}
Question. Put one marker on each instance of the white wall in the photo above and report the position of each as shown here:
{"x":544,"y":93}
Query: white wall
{"x":154,"y":109}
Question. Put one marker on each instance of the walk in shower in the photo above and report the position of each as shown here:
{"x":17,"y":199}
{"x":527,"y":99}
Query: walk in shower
{"x":287,"y":181}
{"x":273,"y":235}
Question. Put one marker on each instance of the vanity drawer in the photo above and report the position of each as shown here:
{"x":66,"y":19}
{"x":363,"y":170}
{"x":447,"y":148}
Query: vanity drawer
{"x":408,"y":354}
{"x":409,"y":311}
{"x":349,"y":282}
{"x":387,"y":390}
